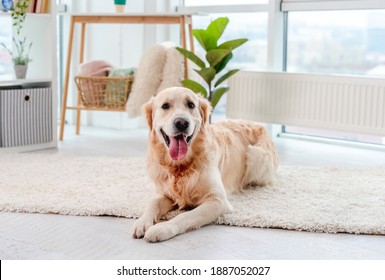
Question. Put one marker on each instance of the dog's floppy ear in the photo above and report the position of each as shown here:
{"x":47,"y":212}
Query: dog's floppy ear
{"x":204,"y":109}
{"x":147,"y":109}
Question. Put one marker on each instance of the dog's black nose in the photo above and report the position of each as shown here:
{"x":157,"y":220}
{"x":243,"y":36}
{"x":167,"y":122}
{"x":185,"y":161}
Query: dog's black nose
{"x":181,"y":124}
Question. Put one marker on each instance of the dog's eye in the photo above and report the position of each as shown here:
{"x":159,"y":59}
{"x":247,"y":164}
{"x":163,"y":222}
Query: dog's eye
{"x":166,"y":106}
{"x":191,"y":105}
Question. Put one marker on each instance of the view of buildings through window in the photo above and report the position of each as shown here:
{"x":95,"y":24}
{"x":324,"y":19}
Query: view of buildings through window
{"x":337,"y":42}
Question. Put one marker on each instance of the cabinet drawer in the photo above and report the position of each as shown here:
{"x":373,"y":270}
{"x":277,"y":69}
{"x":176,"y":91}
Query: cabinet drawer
{"x":25,"y":116}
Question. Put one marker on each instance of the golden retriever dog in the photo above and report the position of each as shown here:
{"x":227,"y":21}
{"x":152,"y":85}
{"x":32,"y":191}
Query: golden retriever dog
{"x":194,"y":163}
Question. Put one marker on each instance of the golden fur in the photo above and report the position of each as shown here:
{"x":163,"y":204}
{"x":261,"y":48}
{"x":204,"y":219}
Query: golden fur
{"x":223,"y":157}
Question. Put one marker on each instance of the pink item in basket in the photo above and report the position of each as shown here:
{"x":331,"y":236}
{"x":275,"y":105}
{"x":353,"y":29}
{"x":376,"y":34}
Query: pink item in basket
{"x":90,"y":91}
{"x":95,"y":68}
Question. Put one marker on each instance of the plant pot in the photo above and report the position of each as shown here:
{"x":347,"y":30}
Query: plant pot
{"x":20,"y":71}
{"x":120,"y":6}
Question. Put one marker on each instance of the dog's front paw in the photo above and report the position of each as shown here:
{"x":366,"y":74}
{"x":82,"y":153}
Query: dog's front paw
{"x":161,"y":232}
{"x":141,"y":226}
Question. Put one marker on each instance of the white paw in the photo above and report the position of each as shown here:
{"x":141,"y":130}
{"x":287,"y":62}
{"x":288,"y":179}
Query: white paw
{"x":161,"y":232}
{"x":141,"y":226}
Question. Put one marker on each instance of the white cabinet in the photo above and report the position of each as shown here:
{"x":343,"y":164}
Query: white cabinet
{"x":26,"y":115}
{"x":35,"y":119}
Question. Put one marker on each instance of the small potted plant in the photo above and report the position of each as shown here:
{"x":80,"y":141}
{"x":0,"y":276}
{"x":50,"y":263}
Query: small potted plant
{"x":20,"y":56}
{"x":217,"y":57}
{"x":120,"y":5}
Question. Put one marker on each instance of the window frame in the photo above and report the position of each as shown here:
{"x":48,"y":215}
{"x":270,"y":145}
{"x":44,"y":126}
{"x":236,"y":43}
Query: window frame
{"x":322,"y":5}
{"x":244,"y":8}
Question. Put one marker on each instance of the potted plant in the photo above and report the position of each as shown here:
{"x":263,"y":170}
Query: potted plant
{"x":120,"y":5}
{"x":19,"y":12}
{"x":20,"y":56}
{"x":217,"y":56}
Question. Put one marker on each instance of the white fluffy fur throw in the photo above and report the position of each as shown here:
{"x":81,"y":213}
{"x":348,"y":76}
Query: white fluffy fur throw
{"x":173,"y":69}
{"x":161,"y":66}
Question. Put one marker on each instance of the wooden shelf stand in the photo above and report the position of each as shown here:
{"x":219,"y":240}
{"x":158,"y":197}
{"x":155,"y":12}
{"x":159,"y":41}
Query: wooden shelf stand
{"x":184,"y":20}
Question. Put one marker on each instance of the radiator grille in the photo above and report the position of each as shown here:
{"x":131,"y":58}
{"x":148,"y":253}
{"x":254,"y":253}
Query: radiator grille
{"x":353,"y":104}
{"x":25,"y":117}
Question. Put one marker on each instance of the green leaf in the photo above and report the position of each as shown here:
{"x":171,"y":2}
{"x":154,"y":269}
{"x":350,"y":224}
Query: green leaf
{"x":223,"y":62}
{"x":217,"y":94}
{"x":217,"y":27}
{"x":207,"y":41}
{"x":232,"y":44}
{"x":226,"y":76}
{"x":193,"y":57}
{"x":208,"y":38}
{"x":216,"y":56}
{"x":208,"y":74}
{"x":195,"y":87}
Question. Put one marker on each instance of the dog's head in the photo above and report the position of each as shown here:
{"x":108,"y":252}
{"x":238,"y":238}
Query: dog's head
{"x":176,"y":115}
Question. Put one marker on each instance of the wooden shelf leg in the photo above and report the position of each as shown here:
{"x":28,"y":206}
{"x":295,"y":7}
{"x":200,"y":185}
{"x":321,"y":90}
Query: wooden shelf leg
{"x":192,"y":49}
{"x":182,"y":23}
{"x":78,"y":112}
{"x":66,"y":80}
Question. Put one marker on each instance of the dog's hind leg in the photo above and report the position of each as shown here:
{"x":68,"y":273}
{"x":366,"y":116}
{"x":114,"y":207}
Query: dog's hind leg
{"x":261,"y":164}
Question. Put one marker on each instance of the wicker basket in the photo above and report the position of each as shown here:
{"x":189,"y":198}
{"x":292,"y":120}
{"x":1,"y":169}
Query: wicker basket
{"x":104,"y":92}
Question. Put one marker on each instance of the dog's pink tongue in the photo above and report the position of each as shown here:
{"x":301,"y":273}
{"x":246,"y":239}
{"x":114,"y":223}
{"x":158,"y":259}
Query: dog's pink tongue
{"x":178,"y":147}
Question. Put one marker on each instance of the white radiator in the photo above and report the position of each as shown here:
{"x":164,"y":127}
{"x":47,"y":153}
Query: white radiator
{"x":344,"y":103}
{"x":25,"y":116}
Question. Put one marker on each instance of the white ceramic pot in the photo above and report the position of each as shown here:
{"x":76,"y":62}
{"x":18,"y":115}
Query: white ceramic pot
{"x":20,"y":71}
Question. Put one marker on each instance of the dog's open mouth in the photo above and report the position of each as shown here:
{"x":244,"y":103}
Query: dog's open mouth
{"x":177,"y":145}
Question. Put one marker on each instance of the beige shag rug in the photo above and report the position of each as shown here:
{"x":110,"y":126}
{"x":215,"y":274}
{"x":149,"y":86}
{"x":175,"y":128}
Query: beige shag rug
{"x":321,"y":199}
